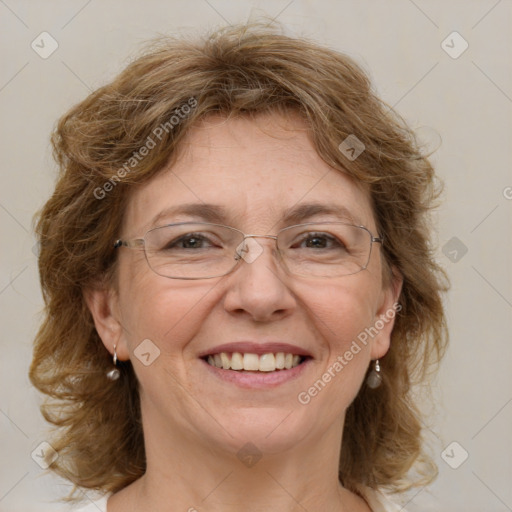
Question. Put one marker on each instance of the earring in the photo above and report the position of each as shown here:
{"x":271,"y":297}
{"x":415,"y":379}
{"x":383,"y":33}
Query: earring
{"x":114,"y":373}
{"x":374,"y":377}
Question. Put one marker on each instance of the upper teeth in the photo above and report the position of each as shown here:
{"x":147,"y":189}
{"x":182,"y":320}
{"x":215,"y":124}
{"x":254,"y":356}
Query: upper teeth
{"x":264,"y":363}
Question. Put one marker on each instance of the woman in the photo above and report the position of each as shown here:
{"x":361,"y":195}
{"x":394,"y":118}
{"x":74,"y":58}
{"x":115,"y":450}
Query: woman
{"x":239,"y":285}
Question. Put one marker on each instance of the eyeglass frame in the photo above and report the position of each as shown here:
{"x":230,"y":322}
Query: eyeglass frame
{"x":141,"y":242}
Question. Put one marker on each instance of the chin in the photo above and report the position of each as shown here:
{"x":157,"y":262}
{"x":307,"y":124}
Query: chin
{"x":269,"y":430}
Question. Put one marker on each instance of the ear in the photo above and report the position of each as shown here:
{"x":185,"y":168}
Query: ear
{"x":388,"y":308}
{"x":103,"y":304}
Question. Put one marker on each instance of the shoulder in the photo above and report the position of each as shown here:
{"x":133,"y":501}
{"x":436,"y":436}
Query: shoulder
{"x":379,"y":501}
{"x":97,"y":505}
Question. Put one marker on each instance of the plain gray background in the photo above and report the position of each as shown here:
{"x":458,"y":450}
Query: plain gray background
{"x":461,"y":104}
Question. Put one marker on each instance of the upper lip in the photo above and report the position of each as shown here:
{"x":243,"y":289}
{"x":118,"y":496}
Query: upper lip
{"x":251,"y":347}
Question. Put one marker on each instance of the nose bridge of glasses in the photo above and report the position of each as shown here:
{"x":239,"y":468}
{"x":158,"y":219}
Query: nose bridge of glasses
{"x":249,"y":249}
{"x":273,"y":237}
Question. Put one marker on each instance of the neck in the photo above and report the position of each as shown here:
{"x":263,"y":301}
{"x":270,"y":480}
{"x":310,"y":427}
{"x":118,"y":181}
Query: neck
{"x":187,"y":474}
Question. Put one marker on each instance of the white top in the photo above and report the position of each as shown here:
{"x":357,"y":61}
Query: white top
{"x":378,"y":502}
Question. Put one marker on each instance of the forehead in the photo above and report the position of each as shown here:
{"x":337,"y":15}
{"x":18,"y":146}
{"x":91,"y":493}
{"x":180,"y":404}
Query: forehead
{"x":256,"y":170}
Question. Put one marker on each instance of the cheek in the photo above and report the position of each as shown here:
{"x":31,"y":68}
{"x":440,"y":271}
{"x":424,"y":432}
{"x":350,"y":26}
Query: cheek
{"x":166,"y":311}
{"x":341,"y":311}
{"x":169,"y":314}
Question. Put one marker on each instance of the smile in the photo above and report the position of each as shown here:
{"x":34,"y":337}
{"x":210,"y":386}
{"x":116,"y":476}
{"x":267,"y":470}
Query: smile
{"x":269,"y":362}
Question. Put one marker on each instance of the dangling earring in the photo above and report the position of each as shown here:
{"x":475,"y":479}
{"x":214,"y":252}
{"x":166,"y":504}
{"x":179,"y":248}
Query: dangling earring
{"x":374,"y":377}
{"x":114,"y":373}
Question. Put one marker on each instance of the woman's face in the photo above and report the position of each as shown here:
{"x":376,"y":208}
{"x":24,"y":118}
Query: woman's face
{"x":255,"y":174}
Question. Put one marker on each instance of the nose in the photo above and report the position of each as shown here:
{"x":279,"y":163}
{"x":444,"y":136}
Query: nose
{"x":259,"y":288}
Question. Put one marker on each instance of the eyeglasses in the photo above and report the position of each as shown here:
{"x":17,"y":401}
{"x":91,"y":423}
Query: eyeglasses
{"x":201,"y":250}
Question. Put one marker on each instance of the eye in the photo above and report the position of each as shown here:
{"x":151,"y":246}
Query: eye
{"x":190,"y":241}
{"x":317,"y":241}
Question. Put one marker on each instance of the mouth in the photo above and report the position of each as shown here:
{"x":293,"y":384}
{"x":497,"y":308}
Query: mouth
{"x":255,"y":363}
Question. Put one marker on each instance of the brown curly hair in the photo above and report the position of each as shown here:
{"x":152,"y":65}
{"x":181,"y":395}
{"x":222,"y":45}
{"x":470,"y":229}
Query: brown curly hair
{"x":242,"y":70}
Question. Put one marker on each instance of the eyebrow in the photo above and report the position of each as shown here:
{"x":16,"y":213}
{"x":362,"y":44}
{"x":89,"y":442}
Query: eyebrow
{"x":206,"y":212}
{"x":302,"y":212}
{"x":217,"y":214}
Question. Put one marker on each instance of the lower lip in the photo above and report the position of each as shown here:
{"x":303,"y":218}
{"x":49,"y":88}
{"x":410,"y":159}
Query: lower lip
{"x":258,"y":380}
